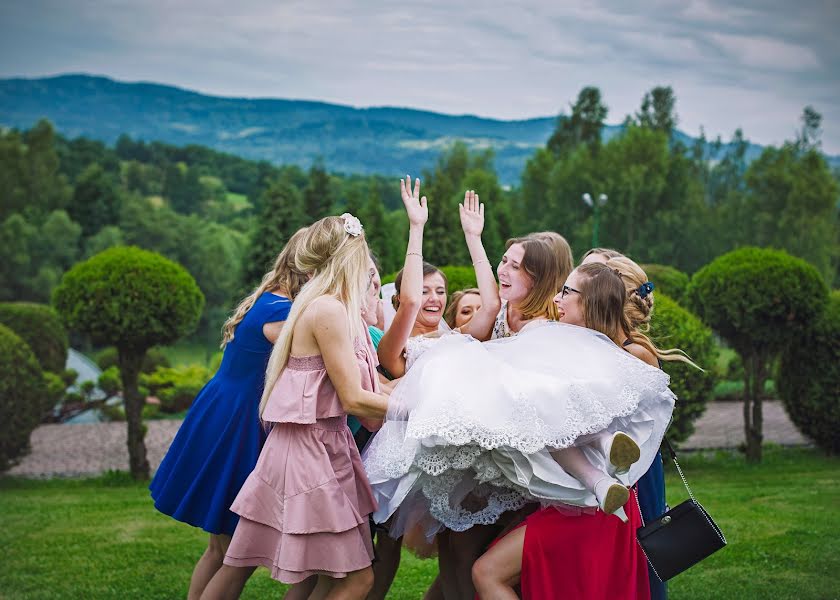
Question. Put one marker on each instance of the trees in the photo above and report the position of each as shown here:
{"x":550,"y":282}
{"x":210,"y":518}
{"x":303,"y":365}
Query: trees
{"x":583,"y":126}
{"x":95,"y":202}
{"x":657,"y":110}
{"x":760,"y":301}
{"x":132,"y":299}
{"x":790,"y":192}
{"x":281,"y":216}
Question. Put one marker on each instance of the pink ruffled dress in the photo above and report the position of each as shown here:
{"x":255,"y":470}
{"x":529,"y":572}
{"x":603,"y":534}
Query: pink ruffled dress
{"x":304,"y":508}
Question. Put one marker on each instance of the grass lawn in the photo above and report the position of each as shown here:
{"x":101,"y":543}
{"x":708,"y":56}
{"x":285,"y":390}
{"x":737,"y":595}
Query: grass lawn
{"x":101,"y":538}
{"x":187,"y":353}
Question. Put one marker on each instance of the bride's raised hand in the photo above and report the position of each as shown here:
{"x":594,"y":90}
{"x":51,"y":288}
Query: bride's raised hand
{"x":415,"y":205}
{"x":472,"y":214}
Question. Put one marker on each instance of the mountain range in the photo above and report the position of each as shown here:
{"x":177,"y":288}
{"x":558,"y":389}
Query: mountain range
{"x":388,"y":141}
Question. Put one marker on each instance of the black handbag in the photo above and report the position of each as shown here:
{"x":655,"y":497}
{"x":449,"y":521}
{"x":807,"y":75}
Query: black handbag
{"x":681,"y":537}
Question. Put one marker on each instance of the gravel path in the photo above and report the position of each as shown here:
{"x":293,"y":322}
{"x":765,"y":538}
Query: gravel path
{"x":92,"y":448}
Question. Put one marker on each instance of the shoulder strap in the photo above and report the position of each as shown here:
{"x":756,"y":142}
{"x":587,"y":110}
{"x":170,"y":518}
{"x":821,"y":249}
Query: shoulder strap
{"x":673,"y":454}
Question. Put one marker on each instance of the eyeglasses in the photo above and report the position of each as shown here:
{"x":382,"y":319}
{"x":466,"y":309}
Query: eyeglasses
{"x":568,"y":290}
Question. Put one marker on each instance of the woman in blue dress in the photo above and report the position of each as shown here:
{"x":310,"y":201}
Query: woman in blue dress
{"x":219,"y":442}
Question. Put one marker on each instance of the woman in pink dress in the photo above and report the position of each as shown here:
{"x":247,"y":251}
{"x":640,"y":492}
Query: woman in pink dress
{"x":304,"y":509}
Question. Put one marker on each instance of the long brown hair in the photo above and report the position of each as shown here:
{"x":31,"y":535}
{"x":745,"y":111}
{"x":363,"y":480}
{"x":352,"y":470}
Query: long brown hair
{"x":541,"y":265}
{"x":602,"y":293}
{"x":562,"y":252}
{"x":284,"y":276}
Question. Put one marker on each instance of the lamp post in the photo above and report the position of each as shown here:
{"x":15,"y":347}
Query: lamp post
{"x":596,"y":214}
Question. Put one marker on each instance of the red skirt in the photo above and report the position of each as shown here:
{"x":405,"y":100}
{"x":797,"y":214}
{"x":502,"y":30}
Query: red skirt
{"x":589,"y":556}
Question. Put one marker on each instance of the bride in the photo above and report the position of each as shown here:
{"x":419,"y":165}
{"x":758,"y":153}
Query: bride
{"x":475,"y":429}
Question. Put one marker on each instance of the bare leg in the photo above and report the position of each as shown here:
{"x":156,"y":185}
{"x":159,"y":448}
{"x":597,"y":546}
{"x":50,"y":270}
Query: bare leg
{"x":227,"y":583}
{"x":457,"y":551}
{"x":575,"y":463}
{"x":353,"y":587}
{"x":497,"y":572}
{"x":385,"y":568}
{"x":208,"y":564}
{"x":302,"y":590}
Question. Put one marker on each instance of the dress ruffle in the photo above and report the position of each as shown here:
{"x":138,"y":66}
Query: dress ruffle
{"x":471,"y":426}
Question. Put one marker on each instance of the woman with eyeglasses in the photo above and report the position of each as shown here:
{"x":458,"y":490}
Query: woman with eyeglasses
{"x":554,"y":554}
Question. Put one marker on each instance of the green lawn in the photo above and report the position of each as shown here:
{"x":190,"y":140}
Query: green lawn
{"x":101,"y":538}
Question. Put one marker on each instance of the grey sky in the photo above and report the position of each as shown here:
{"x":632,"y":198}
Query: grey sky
{"x":750,"y":64}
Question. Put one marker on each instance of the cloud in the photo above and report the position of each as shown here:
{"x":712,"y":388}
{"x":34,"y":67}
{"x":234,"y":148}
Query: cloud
{"x":741,"y":63}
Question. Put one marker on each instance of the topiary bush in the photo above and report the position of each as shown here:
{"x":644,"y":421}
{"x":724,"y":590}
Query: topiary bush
{"x":809,"y":379}
{"x":22,"y":391}
{"x":760,"y":301}
{"x":672,"y":326}
{"x":39,"y":326}
{"x":176,"y":388}
{"x":668,"y":280}
{"x":132,"y":299}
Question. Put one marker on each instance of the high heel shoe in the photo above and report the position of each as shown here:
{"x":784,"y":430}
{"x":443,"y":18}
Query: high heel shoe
{"x":621,"y":451}
{"x":612,"y":496}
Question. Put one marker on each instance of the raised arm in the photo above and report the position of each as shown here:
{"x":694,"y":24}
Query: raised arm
{"x":392,"y":344}
{"x":472,"y":222}
{"x":332,"y":334}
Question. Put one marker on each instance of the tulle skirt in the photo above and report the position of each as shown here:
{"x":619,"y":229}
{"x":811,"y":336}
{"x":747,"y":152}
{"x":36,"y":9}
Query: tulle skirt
{"x":471,"y":427}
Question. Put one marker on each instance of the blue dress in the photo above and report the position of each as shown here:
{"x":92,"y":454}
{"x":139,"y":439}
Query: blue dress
{"x":219,"y":442}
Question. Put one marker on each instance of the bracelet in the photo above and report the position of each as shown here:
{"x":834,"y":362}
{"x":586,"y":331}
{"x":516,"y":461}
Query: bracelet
{"x":483,"y":260}
{"x":414,"y":254}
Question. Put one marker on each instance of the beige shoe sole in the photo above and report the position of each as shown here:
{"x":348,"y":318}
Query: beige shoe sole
{"x":617,"y":496}
{"x":624,"y":451}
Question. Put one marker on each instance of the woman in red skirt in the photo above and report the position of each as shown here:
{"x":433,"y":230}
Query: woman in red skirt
{"x":573,"y":553}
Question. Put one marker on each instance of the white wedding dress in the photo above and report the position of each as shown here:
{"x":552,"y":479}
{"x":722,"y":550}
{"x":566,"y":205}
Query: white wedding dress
{"x":471,"y":425}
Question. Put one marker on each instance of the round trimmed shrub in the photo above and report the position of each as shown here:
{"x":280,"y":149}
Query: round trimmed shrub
{"x":672,"y":326}
{"x":667,"y":280}
{"x":132,"y":299}
{"x":22,"y":392}
{"x":759,"y":300}
{"x":39,"y":326}
{"x":809,"y":379}
{"x":129,"y":296}
{"x":176,"y":388}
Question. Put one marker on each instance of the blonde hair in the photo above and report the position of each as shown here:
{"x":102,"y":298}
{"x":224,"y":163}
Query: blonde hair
{"x":638,"y":308}
{"x":562,"y":252}
{"x":606,"y":252}
{"x":338,"y":263}
{"x":451,"y":311}
{"x":284,"y":276}
{"x":542,"y":267}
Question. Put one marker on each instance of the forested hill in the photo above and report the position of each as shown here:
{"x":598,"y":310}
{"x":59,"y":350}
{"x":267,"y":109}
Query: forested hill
{"x":386,"y":141}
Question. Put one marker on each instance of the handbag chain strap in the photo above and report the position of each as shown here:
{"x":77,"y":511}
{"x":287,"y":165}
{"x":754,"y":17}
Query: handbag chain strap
{"x":679,"y":470}
{"x":673,"y":454}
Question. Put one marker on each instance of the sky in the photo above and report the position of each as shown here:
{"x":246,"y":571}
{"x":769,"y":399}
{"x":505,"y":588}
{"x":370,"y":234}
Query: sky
{"x":742,"y":63}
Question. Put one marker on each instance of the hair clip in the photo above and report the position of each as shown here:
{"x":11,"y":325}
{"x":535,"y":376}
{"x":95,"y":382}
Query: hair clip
{"x":645,"y":289}
{"x":352,"y":225}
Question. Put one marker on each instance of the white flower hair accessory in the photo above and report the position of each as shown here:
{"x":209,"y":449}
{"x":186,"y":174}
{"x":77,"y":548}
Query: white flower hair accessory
{"x":352,"y":225}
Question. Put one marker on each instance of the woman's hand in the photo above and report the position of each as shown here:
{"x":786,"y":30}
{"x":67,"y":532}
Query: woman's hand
{"x":472,"y":214}
{"x":415,"y":206}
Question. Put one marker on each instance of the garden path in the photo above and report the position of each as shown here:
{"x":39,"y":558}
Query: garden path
{"x":93,"y":448}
